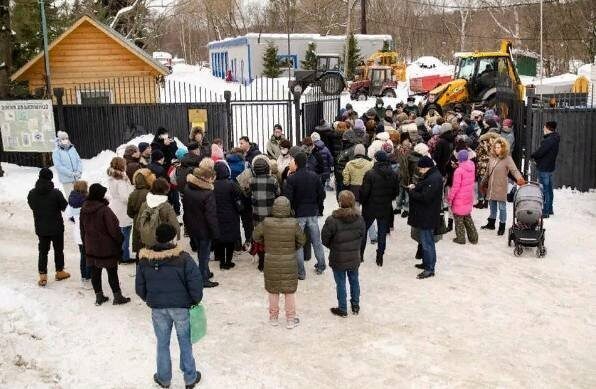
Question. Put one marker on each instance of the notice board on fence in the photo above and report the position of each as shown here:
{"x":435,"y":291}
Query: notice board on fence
{"x":197,"y":117}
{"x":27,"y":125}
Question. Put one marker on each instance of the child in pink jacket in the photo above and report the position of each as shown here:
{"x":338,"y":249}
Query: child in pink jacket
{"x":461,"y":199}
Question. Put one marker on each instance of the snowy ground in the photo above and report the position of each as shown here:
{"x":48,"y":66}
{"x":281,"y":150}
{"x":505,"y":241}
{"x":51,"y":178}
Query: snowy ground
{"x":487,"y":319}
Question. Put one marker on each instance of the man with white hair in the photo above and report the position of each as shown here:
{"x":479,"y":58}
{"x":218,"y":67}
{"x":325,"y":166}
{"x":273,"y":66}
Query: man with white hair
{"x":67,"y":162}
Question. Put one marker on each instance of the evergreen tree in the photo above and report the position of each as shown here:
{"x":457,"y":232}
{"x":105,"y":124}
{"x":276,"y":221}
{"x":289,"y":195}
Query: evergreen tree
{"x":310,"y":58}
{"x":353,"y":57}
{"x":386,"y":47}
{"x":270,"y":62}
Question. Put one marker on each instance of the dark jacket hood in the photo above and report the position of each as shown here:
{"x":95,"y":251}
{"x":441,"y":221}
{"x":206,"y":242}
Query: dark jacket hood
{"x":281,"y":207}
{"x":449,"y":136}
{"x":346,"y":214}
{"x":91,"y":206}
{"x":190,"y":160}
{"x":384,"y":168}
{"x":222,"y":171}
{"x":43,"y":186}
{"x":320,"y":145}
{"x":76,"y":199}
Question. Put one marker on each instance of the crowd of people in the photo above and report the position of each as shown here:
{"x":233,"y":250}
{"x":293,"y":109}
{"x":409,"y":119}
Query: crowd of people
{"x":383,"y":165}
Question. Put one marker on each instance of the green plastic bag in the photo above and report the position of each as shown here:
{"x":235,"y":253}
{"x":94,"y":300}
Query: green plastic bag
{"x":198,"y":323}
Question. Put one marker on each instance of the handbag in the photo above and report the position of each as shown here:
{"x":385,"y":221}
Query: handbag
{"x":198,"y":323}
{"x":442,"y":227}
{"x":511,"y":194}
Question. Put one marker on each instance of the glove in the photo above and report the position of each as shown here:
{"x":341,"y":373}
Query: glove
{"x":521,"y":181}
{"x":71,"y":219}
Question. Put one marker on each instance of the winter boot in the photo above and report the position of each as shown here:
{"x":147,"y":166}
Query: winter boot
{"x":119,"y":299}
{"x":449,"y":225}
{"x":210,"y":284}
{"x":501,"y":229}
{"x":43,"y":280}
{"x":355,"y":309}
{"x":62,"y":275}
{"x":197,"y":380}
{"x":419,"y":252}
{"x":159,"y":383}
{"x":379,"y":259}
{"x":490,"y":225}
{"x":339,"y":312}
{"x":100,"y":298}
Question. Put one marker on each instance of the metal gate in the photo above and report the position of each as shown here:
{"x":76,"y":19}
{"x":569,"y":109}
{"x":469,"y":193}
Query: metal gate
{"x":315,"y":106}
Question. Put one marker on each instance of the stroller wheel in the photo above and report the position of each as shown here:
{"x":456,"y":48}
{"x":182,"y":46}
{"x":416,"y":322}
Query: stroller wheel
{"x":541,"y":252}
{"x":518,"y":250}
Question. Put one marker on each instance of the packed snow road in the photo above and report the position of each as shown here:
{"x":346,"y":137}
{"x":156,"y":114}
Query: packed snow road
{"x":487,"y":319}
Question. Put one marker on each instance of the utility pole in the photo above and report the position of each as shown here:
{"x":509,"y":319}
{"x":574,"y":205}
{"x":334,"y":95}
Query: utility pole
{"x":5,"y":48}
{"x":363,"y":16}
{"x":46,"y":57}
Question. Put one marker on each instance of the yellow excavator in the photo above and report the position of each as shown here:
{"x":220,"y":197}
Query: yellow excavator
{"x":486,"y":79}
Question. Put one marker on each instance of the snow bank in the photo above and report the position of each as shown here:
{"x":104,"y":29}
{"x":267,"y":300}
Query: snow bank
{"x":428,"y":66}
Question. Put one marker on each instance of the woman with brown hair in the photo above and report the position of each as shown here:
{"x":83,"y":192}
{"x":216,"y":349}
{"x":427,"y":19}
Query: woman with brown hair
{"x":500,"y":165}
{"x":119,"y":188}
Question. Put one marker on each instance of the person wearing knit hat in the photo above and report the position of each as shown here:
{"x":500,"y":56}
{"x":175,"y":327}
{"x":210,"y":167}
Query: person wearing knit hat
{"x":315,"y":136}
{"x":426,"y":201}
{"x":354,"y":172}
{"x":47,"y":204}
{"x":387,"y":147}
{"x":145,"y":150}
{"x":379,"y":189}
{"x":461,"y":198}
{"x":507,"y":133}
{"x":132,"y":156}
{"x":67,"y":162}
{"x":157,"y":155}
{"x":446,"y":127}
{"x":421,"y":149}
{"x":359,"y":149}
{"x":462,"y":156}
{"x":102,"y":240}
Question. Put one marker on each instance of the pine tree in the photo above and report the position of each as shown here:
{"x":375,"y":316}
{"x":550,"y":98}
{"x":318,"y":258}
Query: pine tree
{"x":270,"y":61}
{"x":353,"y":57}
{"x":310,"y":58}
{"x":386,"y":47}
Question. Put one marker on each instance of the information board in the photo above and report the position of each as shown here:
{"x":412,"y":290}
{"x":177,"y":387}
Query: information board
{"x":27,"y":125}
{"x":197,"y":117}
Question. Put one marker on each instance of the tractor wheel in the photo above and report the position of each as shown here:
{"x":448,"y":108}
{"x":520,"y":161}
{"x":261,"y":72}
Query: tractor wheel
{"x":331,"y":84}
{"x":389,"y":93}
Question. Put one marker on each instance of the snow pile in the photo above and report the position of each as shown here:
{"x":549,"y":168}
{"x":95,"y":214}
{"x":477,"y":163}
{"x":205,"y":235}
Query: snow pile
{"x":428,"y":66}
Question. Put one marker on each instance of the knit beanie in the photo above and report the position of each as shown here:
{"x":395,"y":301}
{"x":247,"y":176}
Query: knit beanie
{"x":315,"y":136}
{"x":46,"y":174}
{"x":359,"y":149}
{"x":156,"y":155}
{"x":260,"y":166}
{"x":426,"y":162}
{"x":165,"y":233}
{"x":381,"y":156}
{"x":300,"y":160}
{"x":359,"y":124}
{"x":143,"y":146}
{"x":436,"y":129}
{"x":445,"y":128}
{"x":421,"y":148}
{"x":62,"y":135}
{"x":387,"y":147}
{"x":462,"y":155}
{"x":97,"y":192}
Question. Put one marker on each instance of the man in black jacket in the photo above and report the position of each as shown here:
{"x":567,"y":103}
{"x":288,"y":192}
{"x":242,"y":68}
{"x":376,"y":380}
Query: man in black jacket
{"x":444,"y":148}
{"x":306,"y":194}
{"x":425,"y":209}
{"x":47,"y":204}
{"x":379,"y":189}
{"x":167,"y":145}
{"x":251,"y":150}
{"x":546,"y":158}
{"x":169,"y":281}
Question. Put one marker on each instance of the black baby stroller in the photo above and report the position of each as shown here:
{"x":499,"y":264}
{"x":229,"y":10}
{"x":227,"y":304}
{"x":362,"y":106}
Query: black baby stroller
{"x":528,"y":229}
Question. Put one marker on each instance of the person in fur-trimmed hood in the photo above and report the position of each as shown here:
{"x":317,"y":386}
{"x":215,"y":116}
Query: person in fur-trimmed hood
{"x":169,"y":281}
{"x":143,"y":179}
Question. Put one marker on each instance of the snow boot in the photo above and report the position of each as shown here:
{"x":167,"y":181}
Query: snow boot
{"x":62,"y":275}
{"x":119,"y":299}
{"x":501,"y":229}
{"x":490,"y":225}
{"x":425,"y":274}
{"x":210,"y":284}
{"x":159,"y":383}
{"x":419,"y":252}
{"x":292,"y":323}
{"x":449,"y":225}
{"x":339,"y":312}
{"x":379,"y":259}
{"x":43,"y":280}
{"x":355,"y":309}
{"x":100,"y":298}
{"x":197,"y":380}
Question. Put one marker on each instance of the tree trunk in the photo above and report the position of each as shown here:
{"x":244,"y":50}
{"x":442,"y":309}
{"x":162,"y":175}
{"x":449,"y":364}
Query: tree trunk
{"x":348,"y":32}
{"x":5,"y":48}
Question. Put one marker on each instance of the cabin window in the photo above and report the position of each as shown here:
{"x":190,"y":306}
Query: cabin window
{"x":94,"y":97}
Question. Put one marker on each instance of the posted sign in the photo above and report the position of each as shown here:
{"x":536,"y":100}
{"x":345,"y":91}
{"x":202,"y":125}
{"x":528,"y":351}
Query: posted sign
{"x":27,"y":125}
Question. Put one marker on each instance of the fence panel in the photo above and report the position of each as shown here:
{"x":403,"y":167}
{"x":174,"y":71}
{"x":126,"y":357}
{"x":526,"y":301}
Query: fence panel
{"x":316,"y":106}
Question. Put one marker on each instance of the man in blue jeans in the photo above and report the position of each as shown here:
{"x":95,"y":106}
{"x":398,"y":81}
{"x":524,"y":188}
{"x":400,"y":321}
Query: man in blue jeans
{"x":306,"y":194}
{"x":169,"y":281}
{"x":426,"y":200}
{"x":546,"y":158}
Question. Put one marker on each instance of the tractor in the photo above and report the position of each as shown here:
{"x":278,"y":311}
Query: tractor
{"x":327,"y":75}
{"x":486,"y":79}
{"x":380,"y":82}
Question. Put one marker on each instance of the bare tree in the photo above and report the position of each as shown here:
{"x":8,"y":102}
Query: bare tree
{"x":5,"y":48}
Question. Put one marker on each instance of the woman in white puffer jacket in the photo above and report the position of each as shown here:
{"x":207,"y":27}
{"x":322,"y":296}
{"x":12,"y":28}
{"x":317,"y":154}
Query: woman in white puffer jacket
{"x":377,"y":144}
{"x":119,"y":189}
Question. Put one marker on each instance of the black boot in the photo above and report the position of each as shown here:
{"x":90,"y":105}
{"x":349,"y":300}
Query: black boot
{"x":449,"y":225}
{"x":119,"y":299}
{"x":379,"y":259}
{"x":197,"y":380}
{"x":501,"y":229}
{"x":100,"y":298}
{"x":355,"y":309}
{"x":210,"y":284}
{"x":490,"y":225}
{"x":339,"y":312}
{"x":419,"y":252}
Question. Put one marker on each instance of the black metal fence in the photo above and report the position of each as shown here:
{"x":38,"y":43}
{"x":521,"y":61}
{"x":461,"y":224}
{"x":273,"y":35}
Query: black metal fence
{"x":316,"y":106}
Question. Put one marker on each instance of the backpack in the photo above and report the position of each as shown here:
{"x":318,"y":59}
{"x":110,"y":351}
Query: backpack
{"x":148,"y":223}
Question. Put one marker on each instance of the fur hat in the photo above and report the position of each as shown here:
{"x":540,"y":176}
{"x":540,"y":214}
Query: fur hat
{"x":315,"y":136}
{"x":156,"y":155}
{"x":165,"y":233}
{"x":130,"y":150}
{"x":462,"y":155}
{"x":97,"y":192}
{"x":359,"y":149}
{"x":46,"y":174}
{"x":381,"y":156}
{"x":402,"y":117}
{"x":426,"y":162}
{"x":446,"y":127}
{"x":421,"y":148}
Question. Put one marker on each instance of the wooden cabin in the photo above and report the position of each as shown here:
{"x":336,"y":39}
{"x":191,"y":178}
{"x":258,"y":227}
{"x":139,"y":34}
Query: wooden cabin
{"x":95,"y":65}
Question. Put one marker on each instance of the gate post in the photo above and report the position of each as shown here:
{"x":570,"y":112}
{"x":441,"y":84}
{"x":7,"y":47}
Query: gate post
{"x":297,"y":115}
{"x":229,"y":124}
{"x":59,"y":94}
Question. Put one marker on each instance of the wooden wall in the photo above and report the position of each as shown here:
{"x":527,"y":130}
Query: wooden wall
{"x":88,"y":56}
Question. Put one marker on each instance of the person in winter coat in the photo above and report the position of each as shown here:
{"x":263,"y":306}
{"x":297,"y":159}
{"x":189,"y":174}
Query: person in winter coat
{"x":325,"y":154}
{"x":314,"y":160}
{"x":235,"y":159}
{"x":380,"y":108}
{"x":154,"y":211}
{"x":197,"y":135}
{"x":507,"y":133}
{"x":217,"y":151}
{"x":376,"y":145}
{"x":425,"y":209}
{"x":500,"y":165}
{"x":347,"y":153}
{"x":143,"y":179}
{"x":360,"y":135}
{"x":546,"y":158}
{"x":167,"y":145}
{"x":169,"y":281}
{"x":227,"y":195}
{"x":187,"y":164}
{"x":461,"y":198}
{"x":102,"y":239}
{"x":335,"y":145}
{"x":342,"y":233}
{"x":251,"y":150}
{"x":423,"y":132}
{"x":73,"y":212}
{"x":388,"y":122}
{"x":284,"y":159}
{"x":306,"y":196}
{"x":263,"y":189}
{"x":326,"y":134}
{"x":157,"y":164}
{"x":145,"y":150}
{"x":119,"y":189}
{"x":273,"y":144}
{"x":379,"y":189}
{"x":132,"y":156}
{"x":444,"y":148}
{"x":411,"y":108}
{"x":355,"y":170}
{"x":482,"y":158}
{"x":47,"y":204}
{"x":403,"y":152}
{"x":200,"y":215}
{"x":282,"y":237}
{"x":67,"y":162}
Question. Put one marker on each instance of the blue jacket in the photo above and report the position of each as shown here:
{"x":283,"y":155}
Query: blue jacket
{"x":546,"y":155}
{"x":167,"y":277}
{"x":236,"y":164}
{"x":327,"y":156}
{"x":68,"y":164}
